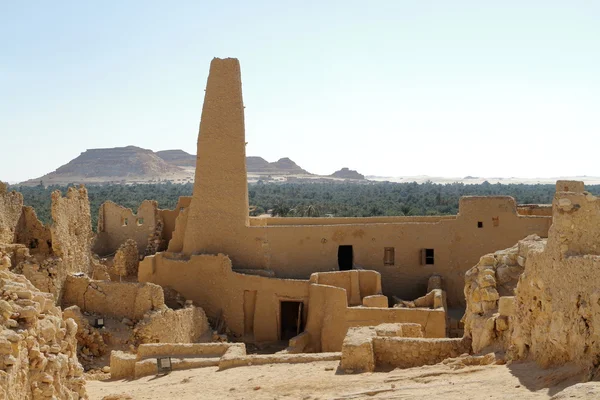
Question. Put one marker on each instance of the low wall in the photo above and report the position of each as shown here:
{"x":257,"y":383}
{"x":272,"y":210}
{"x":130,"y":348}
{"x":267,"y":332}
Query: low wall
{"x":330,"y":317}
{"x":357,"y":283}
{"x":181,"y":349}
{"x":432,"y":321}
{"x":117,"y":299}
{"x":413,"y":352}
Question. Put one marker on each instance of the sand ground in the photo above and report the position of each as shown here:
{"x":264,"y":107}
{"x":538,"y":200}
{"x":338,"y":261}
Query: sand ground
{"x":322,"y":380}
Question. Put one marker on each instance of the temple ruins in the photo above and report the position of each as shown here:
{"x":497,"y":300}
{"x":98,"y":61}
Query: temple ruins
{"x":207,"y":285}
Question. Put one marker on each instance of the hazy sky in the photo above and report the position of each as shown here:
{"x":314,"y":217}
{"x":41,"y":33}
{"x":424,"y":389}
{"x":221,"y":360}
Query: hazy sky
{"x":441,"y":88}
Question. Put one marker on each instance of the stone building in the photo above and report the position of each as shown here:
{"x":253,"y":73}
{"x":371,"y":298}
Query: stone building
{"x":215,"y":247}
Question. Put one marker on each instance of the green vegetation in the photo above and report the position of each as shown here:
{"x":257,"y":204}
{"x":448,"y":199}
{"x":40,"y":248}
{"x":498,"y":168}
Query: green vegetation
{"x":312,"y":199}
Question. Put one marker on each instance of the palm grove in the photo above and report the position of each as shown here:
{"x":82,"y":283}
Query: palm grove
{"x":311,"y":199}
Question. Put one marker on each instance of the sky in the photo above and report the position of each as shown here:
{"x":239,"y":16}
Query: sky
{"x":389,"y":88}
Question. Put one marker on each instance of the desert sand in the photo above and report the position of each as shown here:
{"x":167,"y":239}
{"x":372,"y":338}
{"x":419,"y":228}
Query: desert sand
{"x":323,"y":380}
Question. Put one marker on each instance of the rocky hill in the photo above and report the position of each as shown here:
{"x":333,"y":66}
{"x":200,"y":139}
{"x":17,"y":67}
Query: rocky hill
{"x":133,"y":164}
{"x":129,"y":163}
{"x":254,"y":165}
{"x":283,"y":166}
{"x":346,"y":173}
{"x":178,"y":158}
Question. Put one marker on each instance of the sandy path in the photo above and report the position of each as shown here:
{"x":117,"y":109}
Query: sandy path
{"x":320,"y":381}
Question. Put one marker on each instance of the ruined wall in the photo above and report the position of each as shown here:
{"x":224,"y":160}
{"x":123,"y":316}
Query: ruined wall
{"x":249,"y":305}
{"x":535,"y":209}
{"x":127,"y":259}
{"x":117,"y":224}
{"x":330,"y":318}
{"x":415,"y":352}
{"x":38,"y":349}
{"x":118,"y":299}
{"x":33,"y":234}
{"x":71,"y":232}
{"x":296,"y":250}
{"x":358,"y":284}
{"x":557,"y":303}
{"x":169,"y":218}
{"x":10,"y":212}
{"x":554,"y":316}
{"x":185,"y":325}
{"x":488,"y":287}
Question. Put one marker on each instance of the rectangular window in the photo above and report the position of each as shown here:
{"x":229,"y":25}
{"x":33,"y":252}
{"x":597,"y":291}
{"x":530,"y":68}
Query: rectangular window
{"x":388,"y":256}
{"x":496,"y":221}
{"x":125,"y":221}
{"x":480,"y":224}
{"x":427,"y":257}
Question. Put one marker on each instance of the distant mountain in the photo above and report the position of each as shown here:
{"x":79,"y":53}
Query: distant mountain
{"x":254,"y":165}
{"x":346,"y":173}
{"x":129,"y":163}
{"x":133,"y":164}
{"x":283,"y":166}
{"x":178,"y":158}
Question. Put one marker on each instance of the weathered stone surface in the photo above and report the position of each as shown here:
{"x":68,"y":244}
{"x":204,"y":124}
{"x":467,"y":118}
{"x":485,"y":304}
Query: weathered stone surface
{"x":127,"y":259}
{"x":11,"y":204}
{"x":38,"y":350}
{"x":495,"y":276}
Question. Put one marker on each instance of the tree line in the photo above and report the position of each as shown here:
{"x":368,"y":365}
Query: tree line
{"x":310,"y":199}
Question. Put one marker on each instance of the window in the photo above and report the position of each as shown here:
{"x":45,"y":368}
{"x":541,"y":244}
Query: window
{"x":479,"y":224}
{"x":181,"y":209}
{"x":496,"y":221}
{"x":388,"y":256}
{"x":125,"y":221}
{"x":427,"y":257}
{"x":140,"y":221}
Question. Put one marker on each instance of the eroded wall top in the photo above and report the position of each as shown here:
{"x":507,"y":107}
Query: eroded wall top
{"x":11,"y":204}
{"x":72,"y":230}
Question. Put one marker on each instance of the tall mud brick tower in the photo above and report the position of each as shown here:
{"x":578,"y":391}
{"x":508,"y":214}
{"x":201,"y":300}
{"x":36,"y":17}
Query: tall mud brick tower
{"x":218,"y":213}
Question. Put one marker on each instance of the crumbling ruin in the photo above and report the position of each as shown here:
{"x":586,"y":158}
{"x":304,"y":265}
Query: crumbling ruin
{"x":206,"y":284}
{"x":551,"y":314}
{"x":38,"y":349}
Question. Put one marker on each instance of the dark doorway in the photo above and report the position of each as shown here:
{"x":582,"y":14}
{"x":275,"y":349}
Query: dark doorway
{"x":345,"y":258}
{"x":291,"y":319}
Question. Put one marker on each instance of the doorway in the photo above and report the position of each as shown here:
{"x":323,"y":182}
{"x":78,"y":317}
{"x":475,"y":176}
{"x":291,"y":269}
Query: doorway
{"x":345,"y":258}
{"x":291,"y":319}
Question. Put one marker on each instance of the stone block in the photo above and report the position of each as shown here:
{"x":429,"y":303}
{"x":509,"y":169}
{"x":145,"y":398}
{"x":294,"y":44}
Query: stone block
{"x":357,"y":350}
{"x":122,"y":364}
{"x":506,"y":306}
{"x":376,"y":300}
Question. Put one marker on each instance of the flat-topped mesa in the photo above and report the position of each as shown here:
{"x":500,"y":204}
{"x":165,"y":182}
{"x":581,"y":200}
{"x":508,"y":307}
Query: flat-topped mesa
{"x":220,"y":198}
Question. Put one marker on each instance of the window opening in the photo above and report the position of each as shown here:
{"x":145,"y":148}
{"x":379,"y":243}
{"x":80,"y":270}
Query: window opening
{"x":388,"y":256}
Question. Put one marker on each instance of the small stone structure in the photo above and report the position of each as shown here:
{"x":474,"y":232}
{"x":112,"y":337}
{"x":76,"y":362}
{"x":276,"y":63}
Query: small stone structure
{"x":117,"y":224}
{"x":119,"y":299}
{"x":396,"y":346}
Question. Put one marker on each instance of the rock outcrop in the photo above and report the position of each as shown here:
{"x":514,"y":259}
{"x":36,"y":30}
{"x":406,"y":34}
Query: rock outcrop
{"x":38,"y":348}
{"x":490,"y":290}
{"x":346,"y":173}
{"x":554,"y":316}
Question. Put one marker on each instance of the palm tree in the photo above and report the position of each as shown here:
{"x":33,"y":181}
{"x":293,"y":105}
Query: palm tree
{"x":280,"y":210}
